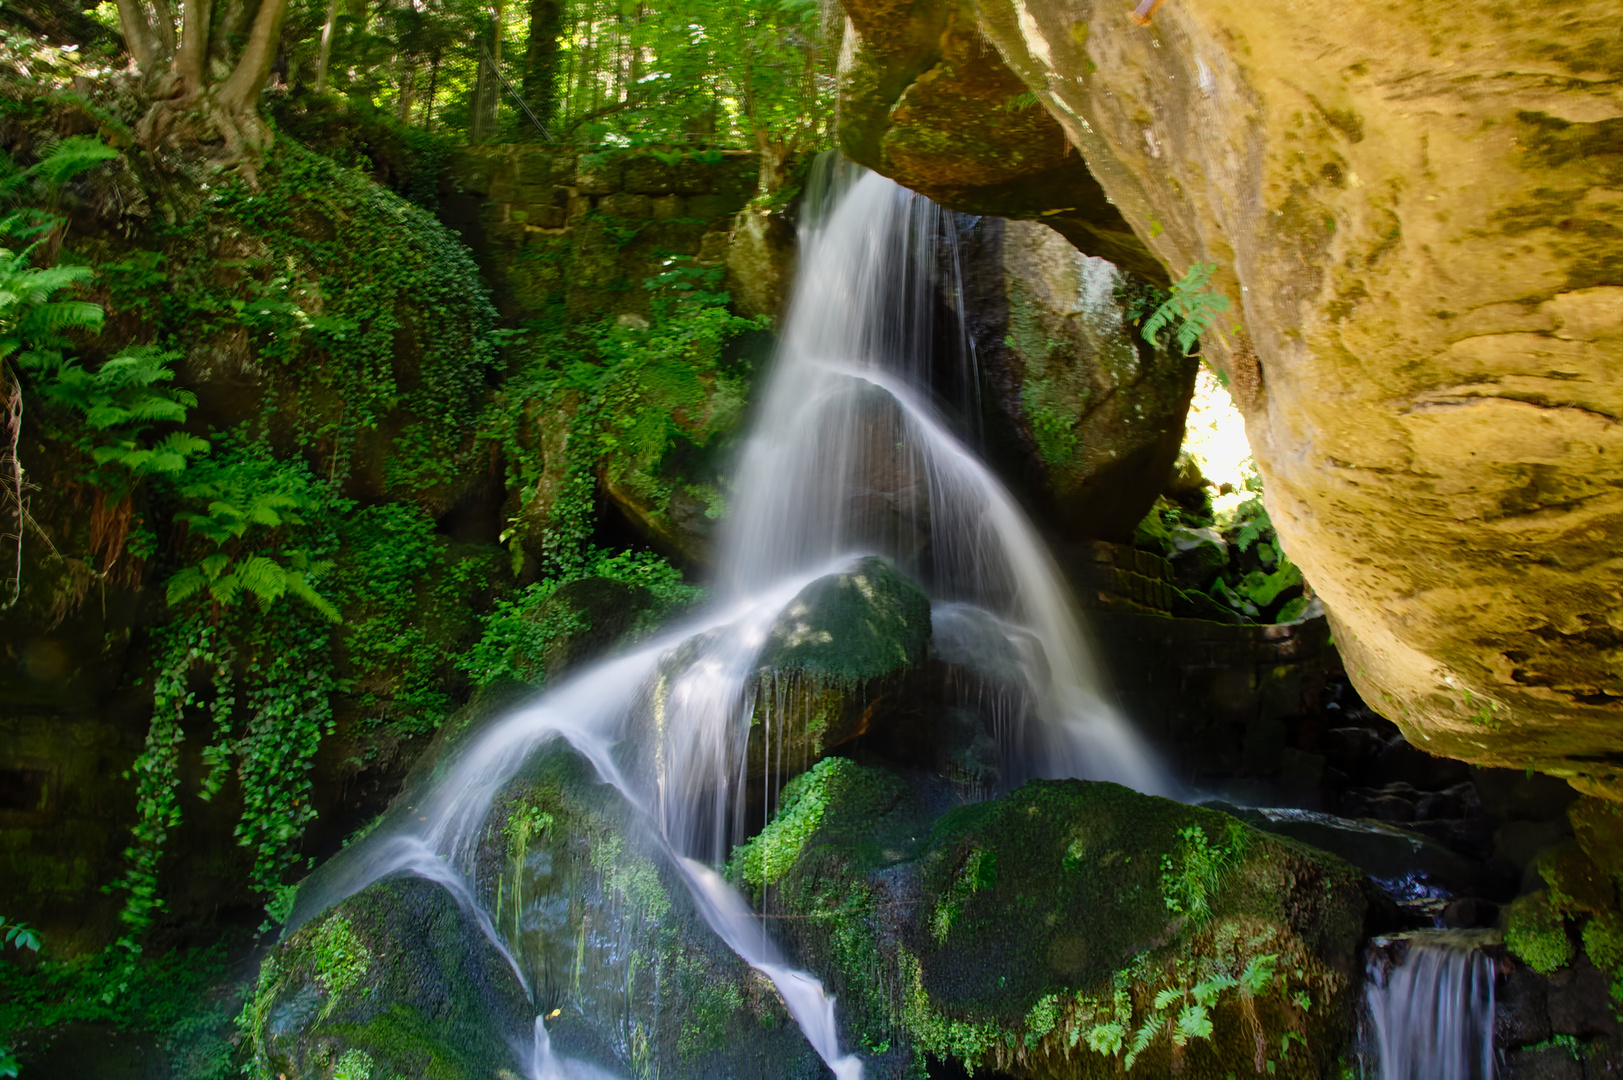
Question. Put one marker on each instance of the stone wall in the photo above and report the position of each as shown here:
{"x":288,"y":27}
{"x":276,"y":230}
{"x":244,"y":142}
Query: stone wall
{"x":1223,"y":703}
{"x":577,"y":234}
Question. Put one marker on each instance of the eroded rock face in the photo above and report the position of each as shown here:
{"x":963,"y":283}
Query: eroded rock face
{"x":926,"y":102}
{"x":1085,"y":410}
{"x":1416,"y":214}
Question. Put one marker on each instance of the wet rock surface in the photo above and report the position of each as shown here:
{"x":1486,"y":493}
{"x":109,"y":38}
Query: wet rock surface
{"x":398,"y":977}
{"x":1080,"y":410}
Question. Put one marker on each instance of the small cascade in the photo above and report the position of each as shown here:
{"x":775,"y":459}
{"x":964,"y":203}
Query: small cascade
{"x":851,"y":456}
{"x":1429,"y":1006}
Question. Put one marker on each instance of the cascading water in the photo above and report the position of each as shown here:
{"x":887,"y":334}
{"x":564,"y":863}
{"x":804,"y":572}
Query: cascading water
{"x":848,"y":459}
{"x":1428,"y":998}
{"x":848,"y":456}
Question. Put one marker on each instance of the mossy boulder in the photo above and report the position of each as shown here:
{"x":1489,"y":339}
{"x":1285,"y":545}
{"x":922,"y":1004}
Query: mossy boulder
{"x":397,"y":977}
{"x":1079,"y":409}
{"x":838,"y":660}
{"x":619,"y":964}
{"x":1536,"y":933}
{"x":624,"y":969}
{"x":1068,"y":929}
{"x":1598,"y":826}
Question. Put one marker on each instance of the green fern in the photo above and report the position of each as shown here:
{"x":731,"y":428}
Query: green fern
{"x":60,"y":162}
{"x":1194,"y":1022}
{"x":247,"y":502}
{"x":120,"y":401}
{"x":1258,"y":975}
{"x":1192,"y":307}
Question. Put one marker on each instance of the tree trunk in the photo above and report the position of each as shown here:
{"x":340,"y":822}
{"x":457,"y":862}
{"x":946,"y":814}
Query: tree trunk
{"x":240,"y":92}
{"x":408,"y":84}
{"x":433,"y":87}
{"x":328,"y":28}
{"x":139,"y":36}
{"x":189,"y":57}
{"x":541,"y":58}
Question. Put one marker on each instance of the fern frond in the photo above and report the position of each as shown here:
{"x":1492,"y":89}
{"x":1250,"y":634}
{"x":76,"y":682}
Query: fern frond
{"x":265,"y":578}
{"x":300,"y":587}
{"x":184,"y":584}
{"x":69,"y":158}
{"x":49,"y":320}
{"x":224,"y":588}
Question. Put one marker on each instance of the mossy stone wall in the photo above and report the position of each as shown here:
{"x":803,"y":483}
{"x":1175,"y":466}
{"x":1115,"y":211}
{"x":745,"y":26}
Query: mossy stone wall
{"x":558,"y":231}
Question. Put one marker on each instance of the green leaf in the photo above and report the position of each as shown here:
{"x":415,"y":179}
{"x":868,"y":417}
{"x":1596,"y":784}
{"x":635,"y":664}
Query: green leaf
{"x":1106,"y":1039}
{"x":224,"y":588}
{"x":1194,"y":1023}
{"x":184,"y":584}
{"x":1206,"y":992}
{"x":1258,"y":975}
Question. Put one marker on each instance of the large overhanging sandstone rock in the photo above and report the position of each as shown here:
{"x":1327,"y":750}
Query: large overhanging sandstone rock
{"x":1417,"y":212}
{"x":926,"y":101}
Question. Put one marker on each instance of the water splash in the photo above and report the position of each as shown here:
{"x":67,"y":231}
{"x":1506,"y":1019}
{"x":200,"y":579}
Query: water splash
{"x":1429,"y":1002}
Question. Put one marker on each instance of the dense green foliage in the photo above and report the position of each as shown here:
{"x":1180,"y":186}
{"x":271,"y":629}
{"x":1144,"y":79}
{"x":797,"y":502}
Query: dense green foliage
{"x":289,"y":526}
{"x":182,"y":1002}
{"x":518,"y":633}
{"x":1247,"y":578}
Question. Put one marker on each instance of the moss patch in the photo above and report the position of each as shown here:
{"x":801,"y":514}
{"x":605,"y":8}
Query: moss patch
{"x":842,"y":629}
{"x":1535,"y":932}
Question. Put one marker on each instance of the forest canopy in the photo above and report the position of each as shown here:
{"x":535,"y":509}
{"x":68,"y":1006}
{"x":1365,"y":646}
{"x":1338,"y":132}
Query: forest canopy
{"x":744,"y":74}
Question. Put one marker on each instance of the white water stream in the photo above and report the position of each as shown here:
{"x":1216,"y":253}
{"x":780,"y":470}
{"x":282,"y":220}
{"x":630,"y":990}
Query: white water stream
{"x":1430,"y":1015}
{"x":848,"y":457}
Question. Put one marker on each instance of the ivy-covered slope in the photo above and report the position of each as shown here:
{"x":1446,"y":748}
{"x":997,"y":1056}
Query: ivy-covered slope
{"x":280,"y":464}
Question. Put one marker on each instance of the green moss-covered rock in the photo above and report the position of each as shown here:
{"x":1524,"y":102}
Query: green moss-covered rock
{"x":837,"y":660}
{"x":1069,"y":929}
{"x":1535,"y":932}
{"x":1576,"y":885}
{"x":626,"y":972}
{"x":1598,"y":826}
{"x":1080,"y":408}
{"x":398,"y":973}
{"x":866,"y":623}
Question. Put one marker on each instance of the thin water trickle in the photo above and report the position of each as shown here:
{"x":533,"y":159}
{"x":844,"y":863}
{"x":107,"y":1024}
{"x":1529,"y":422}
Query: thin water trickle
{"x":849,"y":456}
{"x":1429,"y":998}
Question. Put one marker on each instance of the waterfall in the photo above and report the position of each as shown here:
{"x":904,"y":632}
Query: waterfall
{"x":849,"y":456}
{"x":1429,"y":1006}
